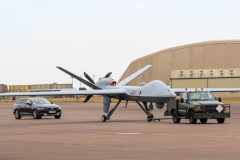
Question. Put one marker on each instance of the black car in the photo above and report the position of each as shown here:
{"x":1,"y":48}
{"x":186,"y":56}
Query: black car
{"x":36,"y":107}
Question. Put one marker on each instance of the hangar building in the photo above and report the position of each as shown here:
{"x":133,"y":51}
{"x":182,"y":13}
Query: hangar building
{"x":3,"y":88}
{"x":211,"y":64}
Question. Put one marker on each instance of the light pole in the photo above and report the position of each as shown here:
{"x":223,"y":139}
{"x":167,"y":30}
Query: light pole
{"x":80,"y":82}
{"x":72,"y":81}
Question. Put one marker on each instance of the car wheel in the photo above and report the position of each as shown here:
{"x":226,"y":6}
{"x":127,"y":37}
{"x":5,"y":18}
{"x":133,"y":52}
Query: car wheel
{"x":34,"y":114}
{"x":58,"y":116}
{"x":221,"y":120}
{"x":203,"y":120}
{"x":192,"y":120}
{"x":17,"y":114}
{"x":175,"y":118}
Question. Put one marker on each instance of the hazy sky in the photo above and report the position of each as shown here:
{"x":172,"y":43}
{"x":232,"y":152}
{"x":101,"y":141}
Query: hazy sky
{"x":99,"y":36}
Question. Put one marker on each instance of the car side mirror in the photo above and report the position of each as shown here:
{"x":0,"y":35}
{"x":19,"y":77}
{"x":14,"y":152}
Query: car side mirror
{"x":182,"y":100}
{"x":51,"y":102}
{"x":219,"y":99}
{"x":28,"y":104}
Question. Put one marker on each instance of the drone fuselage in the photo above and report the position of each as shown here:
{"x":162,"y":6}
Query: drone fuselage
{"x":155,"y":91}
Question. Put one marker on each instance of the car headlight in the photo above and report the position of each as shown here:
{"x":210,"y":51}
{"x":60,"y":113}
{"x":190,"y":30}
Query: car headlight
{"x":59,"y":108}
{"x":198,"y":108}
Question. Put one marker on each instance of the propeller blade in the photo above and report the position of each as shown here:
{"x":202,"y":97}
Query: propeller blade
{"x":89,"y":78}
{"x":80,"y":79}
{"x":88,"y":97}
{"x":109,"y":74}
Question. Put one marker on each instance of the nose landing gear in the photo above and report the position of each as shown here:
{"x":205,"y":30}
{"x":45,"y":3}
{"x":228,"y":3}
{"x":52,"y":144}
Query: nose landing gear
{"x":147,"y":111}
{"x":150,"y":118}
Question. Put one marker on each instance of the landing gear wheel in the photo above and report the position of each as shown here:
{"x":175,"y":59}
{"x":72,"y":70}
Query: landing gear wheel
{"x":34,"y":114}
{"x":17,"y":115}
{"x":104,"y":118}
{"x":58,"y":116}
{"x":192,"y":120}
{"x":150,"y":118}
{"x":221,"y":120}
{"x":203,"y":120}
{"x":175,"y":118}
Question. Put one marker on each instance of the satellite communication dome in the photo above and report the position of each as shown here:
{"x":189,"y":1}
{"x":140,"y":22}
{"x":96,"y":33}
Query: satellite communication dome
{"x":142,"y":84}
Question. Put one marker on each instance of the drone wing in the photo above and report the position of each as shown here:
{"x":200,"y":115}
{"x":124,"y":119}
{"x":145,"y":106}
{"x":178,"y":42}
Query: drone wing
{"x":58,"y":93}
{"x":133,"y":76}
{"x":179,"y":90}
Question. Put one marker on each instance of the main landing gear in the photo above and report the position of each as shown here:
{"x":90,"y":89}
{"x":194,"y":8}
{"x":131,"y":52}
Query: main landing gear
{"x":104,"y":118}
{"x":146,"y":110}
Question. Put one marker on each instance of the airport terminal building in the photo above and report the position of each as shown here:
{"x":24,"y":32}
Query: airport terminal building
{"x":212,"y":64}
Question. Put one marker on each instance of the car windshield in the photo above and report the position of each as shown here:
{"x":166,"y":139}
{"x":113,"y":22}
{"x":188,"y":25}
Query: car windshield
{"x":200,"y":96}
{"x":40,"y":101}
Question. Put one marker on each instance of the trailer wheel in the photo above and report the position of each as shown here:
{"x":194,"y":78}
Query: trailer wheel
{"x":203,"y":120}
{"x":221,"y":120}
{"x":175,"y":118}
{"x":192,"y":119}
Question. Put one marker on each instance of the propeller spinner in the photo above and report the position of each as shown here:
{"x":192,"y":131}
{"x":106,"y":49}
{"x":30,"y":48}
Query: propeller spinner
{"x":90,"y":79}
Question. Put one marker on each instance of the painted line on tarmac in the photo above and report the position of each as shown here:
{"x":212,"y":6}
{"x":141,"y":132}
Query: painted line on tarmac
{"x":129,"y":133}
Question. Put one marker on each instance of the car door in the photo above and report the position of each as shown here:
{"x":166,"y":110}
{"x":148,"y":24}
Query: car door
{"x":22,"y":107}
{"x":28,"y":107}
{"x":17,"y":105}
{"x":182,"y":106}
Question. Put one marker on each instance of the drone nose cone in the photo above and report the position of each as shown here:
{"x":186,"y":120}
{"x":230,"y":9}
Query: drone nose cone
{"x":169,"y":93}
{"x":172,"y":94}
